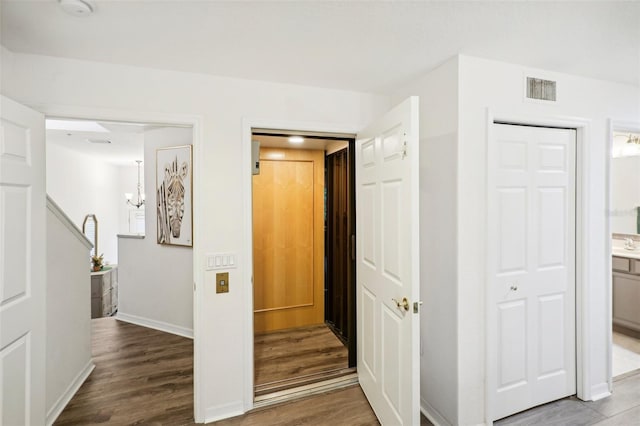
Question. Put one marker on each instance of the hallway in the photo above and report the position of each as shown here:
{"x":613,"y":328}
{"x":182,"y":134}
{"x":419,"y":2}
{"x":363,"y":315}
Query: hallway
{"x":141,"y":376}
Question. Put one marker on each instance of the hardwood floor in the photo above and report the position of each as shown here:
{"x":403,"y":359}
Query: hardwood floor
{"x":343,"y":407}
{"x":347,"y":406}
{"x":144,"y":376}
{"x":281,"y":355}
{"x":141,"y":376}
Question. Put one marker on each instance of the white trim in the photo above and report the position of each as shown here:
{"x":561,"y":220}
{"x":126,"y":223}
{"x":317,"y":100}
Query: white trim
{"x":195,"y":122}
{"x":432,"y":414}
{"x":67,"y":222}
{"x":583,"y":327}
{"x":223,"y":411}
{"x":613,"y":126}
{"x":247,"y":237}
{"x":583,"y":295}
{"x":71,"y":390}
{"x":600,"y":391}
{"x":156,"y":325}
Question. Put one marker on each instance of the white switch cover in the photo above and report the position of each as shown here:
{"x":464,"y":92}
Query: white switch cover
{"x":215,"y":261}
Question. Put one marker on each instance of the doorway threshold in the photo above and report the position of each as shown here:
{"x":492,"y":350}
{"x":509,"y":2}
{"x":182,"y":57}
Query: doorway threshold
{"x":293,"y":393}
{"x":300,"y":381}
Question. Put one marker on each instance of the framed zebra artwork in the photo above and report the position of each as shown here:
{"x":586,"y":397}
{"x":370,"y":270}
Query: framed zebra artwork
{"x":174,"y":179}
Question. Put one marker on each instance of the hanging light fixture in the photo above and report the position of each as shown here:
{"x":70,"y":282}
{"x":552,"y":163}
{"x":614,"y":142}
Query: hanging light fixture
{"x":129,"y":196}
{"x":635,"y":139}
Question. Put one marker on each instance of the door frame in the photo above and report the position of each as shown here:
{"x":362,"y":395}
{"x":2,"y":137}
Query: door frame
{"x":583,"y":325}
{"x":195,"y":122}
{"x":613,"y":126}
{"x":247,"y":235}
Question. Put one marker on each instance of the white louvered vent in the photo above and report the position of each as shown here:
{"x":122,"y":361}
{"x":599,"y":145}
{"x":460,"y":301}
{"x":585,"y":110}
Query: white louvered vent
{"x":538,"y":88}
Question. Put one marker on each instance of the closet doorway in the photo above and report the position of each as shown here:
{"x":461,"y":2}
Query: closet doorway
{"x":303,"y":260}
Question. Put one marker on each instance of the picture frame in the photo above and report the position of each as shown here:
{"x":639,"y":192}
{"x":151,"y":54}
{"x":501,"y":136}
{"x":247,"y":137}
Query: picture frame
{"x":174,"y":195}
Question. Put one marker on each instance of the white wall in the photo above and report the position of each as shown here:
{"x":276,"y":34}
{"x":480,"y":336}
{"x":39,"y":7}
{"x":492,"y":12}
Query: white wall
{"x":625,"y":194}
{"x":499,"y":87}
{"x":453,"y":126}
{"x":220,"y":104}
{"x":68,"y":327}
{"x":438,"y":92}
{"x":156,"y":281}
{"x":83,"y":184}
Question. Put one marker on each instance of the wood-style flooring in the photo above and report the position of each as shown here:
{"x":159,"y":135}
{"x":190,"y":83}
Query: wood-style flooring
{"x":285,"y":354}
{"x":141,"y":376}
{"x":622,"y":408}
{"x":144,"y":376}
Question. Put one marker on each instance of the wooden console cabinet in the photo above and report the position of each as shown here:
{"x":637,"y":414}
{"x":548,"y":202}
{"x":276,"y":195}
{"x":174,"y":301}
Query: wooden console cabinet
{"x":104,"y":292}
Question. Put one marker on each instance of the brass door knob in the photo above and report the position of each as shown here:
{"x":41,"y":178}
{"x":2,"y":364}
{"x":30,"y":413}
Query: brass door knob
{"x":404,"y":304}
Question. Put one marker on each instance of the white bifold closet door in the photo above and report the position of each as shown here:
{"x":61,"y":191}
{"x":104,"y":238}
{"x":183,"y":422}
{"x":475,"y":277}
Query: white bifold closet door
{"x":531,"y":266}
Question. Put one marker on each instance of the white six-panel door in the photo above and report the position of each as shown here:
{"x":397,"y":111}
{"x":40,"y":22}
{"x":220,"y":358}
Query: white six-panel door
{"x":387,"y":264}
{"x":531,"y":267}
{"x":22,"y":265}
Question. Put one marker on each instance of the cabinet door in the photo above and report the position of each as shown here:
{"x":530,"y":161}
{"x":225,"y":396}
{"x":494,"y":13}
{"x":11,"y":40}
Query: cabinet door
{"x":114,"y":299}
{"x":626,"y":299}
{"x":96,"y":286}
{"x":96,"y":307}
{"x":106,"y":304}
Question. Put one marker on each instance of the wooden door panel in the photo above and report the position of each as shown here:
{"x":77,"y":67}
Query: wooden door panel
{"x":338,"y":243}
{"x":288,"y":244}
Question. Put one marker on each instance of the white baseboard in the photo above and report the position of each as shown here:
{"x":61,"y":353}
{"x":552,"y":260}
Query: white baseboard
{"x":600,"y":391}
{"x":156,"y":325}
{"x":432,"y":414}
{"x":224,"y":411}
{"x":66,"y":396}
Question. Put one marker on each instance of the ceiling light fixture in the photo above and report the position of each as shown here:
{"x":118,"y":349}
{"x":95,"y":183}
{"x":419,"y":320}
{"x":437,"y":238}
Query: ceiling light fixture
{"x":635,"y":139}
{"x":296,"y":139}
{"x":76,"y":7}
{"x":129,"y":196}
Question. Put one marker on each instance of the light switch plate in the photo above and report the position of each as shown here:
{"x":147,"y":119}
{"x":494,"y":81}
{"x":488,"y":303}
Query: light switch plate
{"x":215,"y":261}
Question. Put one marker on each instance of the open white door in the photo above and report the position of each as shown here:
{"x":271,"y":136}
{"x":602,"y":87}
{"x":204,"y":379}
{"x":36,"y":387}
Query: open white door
{"x":387,"y":265}
{"x":531,"y":337}
{"x":22,"y":265}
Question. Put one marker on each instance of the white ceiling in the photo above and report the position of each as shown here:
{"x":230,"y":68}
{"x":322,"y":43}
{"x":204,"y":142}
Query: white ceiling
{"x":355,"y":45}
{"x":127,"y":141}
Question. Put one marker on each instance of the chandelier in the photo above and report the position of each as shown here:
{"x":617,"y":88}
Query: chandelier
{"x":140,"y":200}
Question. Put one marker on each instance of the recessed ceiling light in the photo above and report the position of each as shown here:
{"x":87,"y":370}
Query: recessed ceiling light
{"x":75,"y":125}
{"x":296,"y":139}
{"x":76,"y":7}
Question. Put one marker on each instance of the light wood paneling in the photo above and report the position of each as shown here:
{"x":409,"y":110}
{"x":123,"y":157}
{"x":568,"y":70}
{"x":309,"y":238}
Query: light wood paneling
{"x":288,"y":239}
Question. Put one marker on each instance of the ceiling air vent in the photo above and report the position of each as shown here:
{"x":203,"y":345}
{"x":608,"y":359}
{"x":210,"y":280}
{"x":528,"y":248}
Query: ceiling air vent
{"x":105,"y":141}
{"x":538,"y":88}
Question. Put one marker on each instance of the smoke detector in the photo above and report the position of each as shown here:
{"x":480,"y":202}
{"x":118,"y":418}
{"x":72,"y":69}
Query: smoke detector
{"x":76,"y":7}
